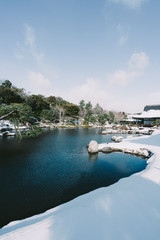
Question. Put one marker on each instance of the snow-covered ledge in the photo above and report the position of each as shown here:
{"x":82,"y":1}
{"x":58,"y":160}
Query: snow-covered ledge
{"x":126,"y":210}
{"x":125,"y":148}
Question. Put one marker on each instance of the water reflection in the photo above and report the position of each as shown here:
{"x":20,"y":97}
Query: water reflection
{"x":93,"y":157}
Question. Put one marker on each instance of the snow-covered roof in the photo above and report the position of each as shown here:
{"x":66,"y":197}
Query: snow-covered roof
{"x":149,"y":114}
{"x":129,"y":120}
{"x":152,"y":107}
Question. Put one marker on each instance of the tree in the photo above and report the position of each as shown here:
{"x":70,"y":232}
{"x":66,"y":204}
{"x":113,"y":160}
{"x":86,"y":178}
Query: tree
{"x":20,"y":91}
{"x":98,"y":109}
{"x":71,"y":110}
{"x":82,"y":105}
{"x":91,"y":119}
{"x":102,"y":118}
{"x":88,"y":108}
{"x":110,"y":117}
{"x":157,"y":122}
{"x":37,"y":103}
{"x":51,"y":100}
{"x":50,"y":114}
{"x":17,"y":113}
{"x":7,"y":84}
{"x":82,"y":108}
{"x":60,"y":111}
{"x":8,"y":96}
{"x":60,"y":101}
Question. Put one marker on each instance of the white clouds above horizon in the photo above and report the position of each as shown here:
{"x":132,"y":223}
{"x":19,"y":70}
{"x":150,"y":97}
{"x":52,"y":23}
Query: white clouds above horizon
{"x":38,"y":84}
{"x":120,"y":77}
{"x":133,"y":4}
{"x":137,"y":64}
{"x":91,"y":90}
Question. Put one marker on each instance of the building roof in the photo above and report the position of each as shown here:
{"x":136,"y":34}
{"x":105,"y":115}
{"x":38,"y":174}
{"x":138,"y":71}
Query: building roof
{"x":148,"y":114}
{"x":151,"y":107}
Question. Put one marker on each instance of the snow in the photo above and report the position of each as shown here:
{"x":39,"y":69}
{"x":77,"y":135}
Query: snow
{"x":126,"y":210}
{"x":153,"y":140}
{"x":117,"y":139}
{"x":5,"y":124}
{"x":149,"y":114}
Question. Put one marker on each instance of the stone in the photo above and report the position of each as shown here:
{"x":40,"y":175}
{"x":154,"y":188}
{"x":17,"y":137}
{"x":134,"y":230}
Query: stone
{"x":93,"y":147}
{"x":107,"y":150}
{"x":117,"y":139}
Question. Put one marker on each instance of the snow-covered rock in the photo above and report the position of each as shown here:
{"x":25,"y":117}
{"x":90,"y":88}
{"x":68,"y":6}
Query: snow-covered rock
{"x":107,"y":149}
{"x":132,"y":130}
{"x":6,"y":125}
{"x":121,"y":147}
{"x":117,"y":139}
{"x":7,"y":133}
{"x":93,"y":147}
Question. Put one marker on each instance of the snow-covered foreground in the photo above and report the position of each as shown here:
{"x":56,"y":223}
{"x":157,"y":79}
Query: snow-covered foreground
{"x":128,"y":210}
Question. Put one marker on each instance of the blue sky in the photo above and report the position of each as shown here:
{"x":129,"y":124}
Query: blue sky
{"x":105,"y":51}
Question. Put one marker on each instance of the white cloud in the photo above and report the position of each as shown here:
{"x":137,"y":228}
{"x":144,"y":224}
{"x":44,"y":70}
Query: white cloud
{"x":39,"y":84}
{"x":30,"y":42}
{"x":137,"y":63}
{"x":28,"y":45}
{"x":18,"y":54}
{"x":123,"y":34}
{"x":19,"y":51}
{"x":92,"y":91}
{"x":133,"y":4}
{"x":30,"y":36}
{"x":121,"y":77}
{"x":122,"y":39}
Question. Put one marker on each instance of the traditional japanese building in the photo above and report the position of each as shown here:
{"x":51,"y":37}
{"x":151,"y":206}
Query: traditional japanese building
{"x":149,"y":116}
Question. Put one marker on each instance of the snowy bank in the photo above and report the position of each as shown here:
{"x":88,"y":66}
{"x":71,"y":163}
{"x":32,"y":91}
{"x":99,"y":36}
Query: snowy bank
{"x":127,"y":210}
{"x":122,"y":147}
{"x":131,"y":130}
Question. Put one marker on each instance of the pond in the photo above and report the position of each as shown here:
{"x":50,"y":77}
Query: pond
{"x":40,"y":173}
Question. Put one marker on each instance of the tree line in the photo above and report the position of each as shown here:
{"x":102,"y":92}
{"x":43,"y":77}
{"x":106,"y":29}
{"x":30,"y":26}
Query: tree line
{"x":23,"y":108}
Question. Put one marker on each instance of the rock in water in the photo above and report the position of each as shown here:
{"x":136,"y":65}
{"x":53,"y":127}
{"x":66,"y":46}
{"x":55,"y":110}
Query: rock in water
{"x":107,"y":150}
{"x":93,"y":147}
{"x":117,"y":139}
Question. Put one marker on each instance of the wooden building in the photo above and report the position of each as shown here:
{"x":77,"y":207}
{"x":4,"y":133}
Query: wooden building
{"x":149,"y":116}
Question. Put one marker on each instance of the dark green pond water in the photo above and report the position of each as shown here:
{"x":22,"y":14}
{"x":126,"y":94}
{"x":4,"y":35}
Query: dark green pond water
{"x":41,"y":173}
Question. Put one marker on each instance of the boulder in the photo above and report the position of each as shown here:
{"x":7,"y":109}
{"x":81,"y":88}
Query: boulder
{"x":105,"y":132}
{"x":117,"y":139}
{"x":107,"y":150}
{"x":93,"y":147}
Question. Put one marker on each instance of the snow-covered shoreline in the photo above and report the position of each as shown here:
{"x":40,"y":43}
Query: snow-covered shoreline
{"x":128,"y":209}
{"x":121,"y":147}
